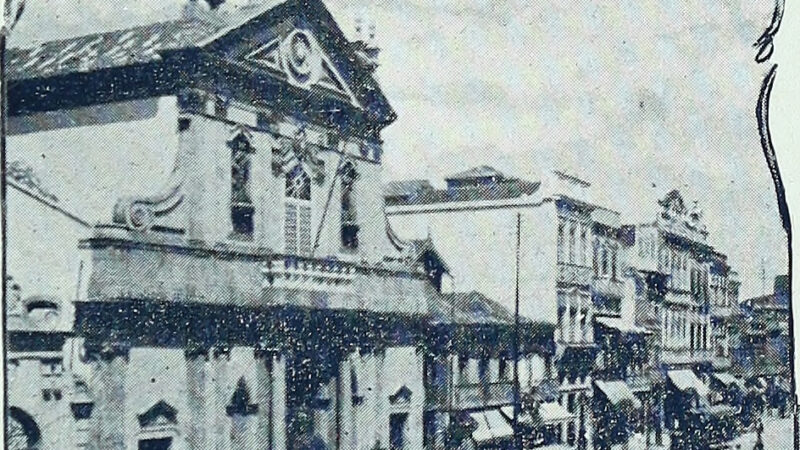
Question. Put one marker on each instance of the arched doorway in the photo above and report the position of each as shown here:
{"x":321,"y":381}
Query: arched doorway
{"x":22,"y":431}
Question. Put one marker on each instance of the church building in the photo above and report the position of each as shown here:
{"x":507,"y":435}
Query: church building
{"x":236,"y":285}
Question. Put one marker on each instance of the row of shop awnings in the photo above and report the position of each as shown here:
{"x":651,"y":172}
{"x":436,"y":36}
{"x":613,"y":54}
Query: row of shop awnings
{"x":495,"y":424}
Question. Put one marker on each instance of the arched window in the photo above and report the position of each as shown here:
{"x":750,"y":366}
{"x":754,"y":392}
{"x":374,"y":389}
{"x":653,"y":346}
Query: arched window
{"x":241,"y":411}
{"x":241,"y":201}
{"x":297,"y":219}
{"x":22,"y":433}
{"x":349,"y":225}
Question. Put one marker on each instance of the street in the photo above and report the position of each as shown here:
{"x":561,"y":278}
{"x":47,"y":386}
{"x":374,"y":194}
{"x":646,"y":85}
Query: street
{"x":778,"y":435}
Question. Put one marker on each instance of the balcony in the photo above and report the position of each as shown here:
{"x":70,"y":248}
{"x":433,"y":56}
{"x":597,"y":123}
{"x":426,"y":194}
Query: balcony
{"x":574,"y":275}
{"x":722,"y":312}
{"x":685,"y":356}
{"x":472,"y":395}
{"x":608,"y":287}
{"x":309,"y":274}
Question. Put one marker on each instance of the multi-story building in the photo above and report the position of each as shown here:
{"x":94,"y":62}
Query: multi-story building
{"x":469,"y":370}
{"x":762,"y":354}
{"x":686,"y":295}
{"x":232,"y":308}
{"x":568,"y":258}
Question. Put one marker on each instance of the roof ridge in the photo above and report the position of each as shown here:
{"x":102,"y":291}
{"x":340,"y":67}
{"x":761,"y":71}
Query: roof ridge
{"x":113,"y":31}
{"x":47,"y":202}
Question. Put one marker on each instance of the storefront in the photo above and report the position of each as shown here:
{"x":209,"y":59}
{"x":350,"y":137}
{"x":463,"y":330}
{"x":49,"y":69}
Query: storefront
{"x":616,"y":413}
{"x":492,"y":430}
{"x":684,"y":391}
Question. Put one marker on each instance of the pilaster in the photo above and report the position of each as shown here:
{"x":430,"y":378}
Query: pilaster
{"x":109,"y":365}
{"x":197,"y":400}
{"x":220,"y":356}
{"x":278,"y":402}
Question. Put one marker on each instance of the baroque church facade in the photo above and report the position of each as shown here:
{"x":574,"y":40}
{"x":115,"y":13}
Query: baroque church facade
{"x":250,"y":294}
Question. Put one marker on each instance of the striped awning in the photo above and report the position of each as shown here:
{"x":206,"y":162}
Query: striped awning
{"x":686,"y":380}
{"x":618,"y":392}
{"x":491,"y":426}
{"x":728,"y":380}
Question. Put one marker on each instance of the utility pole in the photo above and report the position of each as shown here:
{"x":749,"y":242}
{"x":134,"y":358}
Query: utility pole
{"x":515,"y":345}
{"x":9,"y":22}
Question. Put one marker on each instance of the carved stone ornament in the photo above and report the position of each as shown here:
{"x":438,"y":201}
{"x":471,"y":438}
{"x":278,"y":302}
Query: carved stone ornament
{"x":298,"y":150}
{"x":675,"y":211}
{"x":141,"y":213}
{"x":300,"y":58}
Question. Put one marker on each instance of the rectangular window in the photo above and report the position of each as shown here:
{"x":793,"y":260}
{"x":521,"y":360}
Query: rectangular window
{"x":502,"y":369}
{"x":462,"y":369}
{"x":242,"y":209}
{"x":584,"y":243}
{"x":483,"y":370}
{"x":397,"y":431}
{"x":348,"y":218}
{"x":560,"y":243}
{"x":572,"y":243}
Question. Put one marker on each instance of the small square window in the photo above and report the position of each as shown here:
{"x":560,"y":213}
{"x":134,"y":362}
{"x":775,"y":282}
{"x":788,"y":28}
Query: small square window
{"x":51,"y":367}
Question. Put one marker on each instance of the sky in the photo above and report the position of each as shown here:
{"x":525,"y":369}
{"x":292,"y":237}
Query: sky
{"x":638,"y":97}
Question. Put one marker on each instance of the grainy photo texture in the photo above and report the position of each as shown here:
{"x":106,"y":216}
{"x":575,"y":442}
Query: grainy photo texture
{"x":397,"y":225}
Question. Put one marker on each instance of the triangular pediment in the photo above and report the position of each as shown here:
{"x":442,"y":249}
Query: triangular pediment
{"x":299,"y":42}
{"x":401,"y":395}
{"x":297,"y":57}
{"x":240,"y":404}
{"x":160,"y":414}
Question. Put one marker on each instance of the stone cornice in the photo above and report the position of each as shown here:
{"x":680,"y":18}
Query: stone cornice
{"x":118,"y":237}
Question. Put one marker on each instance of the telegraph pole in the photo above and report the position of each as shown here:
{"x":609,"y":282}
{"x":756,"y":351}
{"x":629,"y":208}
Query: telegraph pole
{"x":515,"y":345}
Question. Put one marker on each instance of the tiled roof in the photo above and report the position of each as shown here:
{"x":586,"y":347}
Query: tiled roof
{"x":406,"y":188}
{"x":477,"y":172}
{"x":468,"y":308}
{"x":117,"y":48}
{"x":765,"y":302}
{"x":496,"y":191}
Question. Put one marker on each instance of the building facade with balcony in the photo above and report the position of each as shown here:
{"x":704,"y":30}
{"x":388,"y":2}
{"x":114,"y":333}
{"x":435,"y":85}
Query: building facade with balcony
{"x":198,"y":307}
{"x":686,"y":295}
{"x":570,"y":259}
{"x":469,"y":371}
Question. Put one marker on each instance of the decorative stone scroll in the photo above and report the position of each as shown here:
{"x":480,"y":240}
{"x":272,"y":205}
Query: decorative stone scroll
{"x":298,"y":150}
{"x":140,"y":213}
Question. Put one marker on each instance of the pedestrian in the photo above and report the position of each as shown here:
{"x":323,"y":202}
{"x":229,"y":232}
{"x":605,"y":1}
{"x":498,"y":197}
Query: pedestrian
{"x":759,"y":441}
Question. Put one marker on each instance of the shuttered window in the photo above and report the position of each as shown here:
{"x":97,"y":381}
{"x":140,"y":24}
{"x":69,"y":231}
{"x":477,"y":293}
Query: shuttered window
{"x":297,"y":219}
